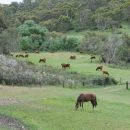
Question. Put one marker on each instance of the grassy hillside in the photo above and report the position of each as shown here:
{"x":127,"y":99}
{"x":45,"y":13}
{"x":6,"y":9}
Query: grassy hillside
{"x":53,"y":108}
{"x":118,"y":32}
{"x":81,"y":65}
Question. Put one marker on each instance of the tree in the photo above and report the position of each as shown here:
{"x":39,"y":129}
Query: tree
{"x":32,"y":35}
{"x":8,"y":41}
{"x":63,"y":24}
{"x":83,"y":20}
{"x":123,"y":53}
{"x":2,"y":20}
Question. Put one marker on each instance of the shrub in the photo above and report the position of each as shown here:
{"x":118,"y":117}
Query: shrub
{"x":101,"y":80}
{"x":32,"y":35}
{"x":62,"y":43}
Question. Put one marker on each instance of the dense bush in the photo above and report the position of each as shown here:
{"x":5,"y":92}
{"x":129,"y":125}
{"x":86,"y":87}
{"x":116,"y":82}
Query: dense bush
{"x":32,"y":35}
{"x":14,"y":72}
{"x":60,"y":43}
{"x":101,"y":80}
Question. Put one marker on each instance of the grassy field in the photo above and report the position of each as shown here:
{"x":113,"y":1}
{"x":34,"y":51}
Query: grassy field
{"x":81,"y":65}
{"x":81,"y":35}
{"x":52,"y":108}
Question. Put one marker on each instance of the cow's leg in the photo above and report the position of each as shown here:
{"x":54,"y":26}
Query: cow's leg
{"x":76,"y":105}
{"x":82,"y":105}
{"x":92,"y":104}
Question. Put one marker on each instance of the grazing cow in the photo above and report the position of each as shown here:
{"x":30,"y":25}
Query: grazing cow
{"x":42,"y":60}
{"x":17,"y":55}
{"x":86,"y":98}
{"x":92,"y":57}
{"x":105,"y":72}
{"x":99,"y":68}
{"x":72,"y":57}
{"x":26,"y":56}
{"x":64,"y":66}
{"x":20,"y":55}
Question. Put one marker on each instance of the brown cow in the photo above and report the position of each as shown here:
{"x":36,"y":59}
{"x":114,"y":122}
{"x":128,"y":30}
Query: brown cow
{"x":26,"y":56}
{"x":17,"y":55}
{"x":72,"y":57}
{"x":99,"y":68}
{"x":42,"y":60}
{"x":64,"y":66}
{"x":92,"y":57}
{"x":20,"y":55}
{"x":105,"y":72}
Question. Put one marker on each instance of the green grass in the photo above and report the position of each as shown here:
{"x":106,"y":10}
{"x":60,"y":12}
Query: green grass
{"x":78,"y":35}
{"x":52,"y":108}
{"x":118,"y":32}
{"x":81,"y":65}
{"x":81,"y":35}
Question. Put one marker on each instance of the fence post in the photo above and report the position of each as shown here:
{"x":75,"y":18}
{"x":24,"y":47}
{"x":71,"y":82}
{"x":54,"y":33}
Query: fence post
{"x":83,"y":83}
{"x":127,"y":85}
{"x":63,"y":84}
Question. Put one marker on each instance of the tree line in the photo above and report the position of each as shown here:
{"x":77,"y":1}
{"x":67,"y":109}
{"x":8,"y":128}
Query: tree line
{"x":65,"y":15}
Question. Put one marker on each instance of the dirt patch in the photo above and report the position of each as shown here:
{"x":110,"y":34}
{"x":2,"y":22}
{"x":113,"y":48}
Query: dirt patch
{"x":11,"y":123}
{"x":8,"y":101}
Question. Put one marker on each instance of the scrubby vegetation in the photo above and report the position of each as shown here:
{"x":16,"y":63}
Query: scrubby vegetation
{"x":113,"y":48}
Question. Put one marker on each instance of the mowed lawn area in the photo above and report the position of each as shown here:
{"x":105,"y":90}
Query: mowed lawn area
{"x":52,"y":108}
{"x":82,"y":64}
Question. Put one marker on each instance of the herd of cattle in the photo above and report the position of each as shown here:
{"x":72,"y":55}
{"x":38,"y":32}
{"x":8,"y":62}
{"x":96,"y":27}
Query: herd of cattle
{"x":64,"y":65}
